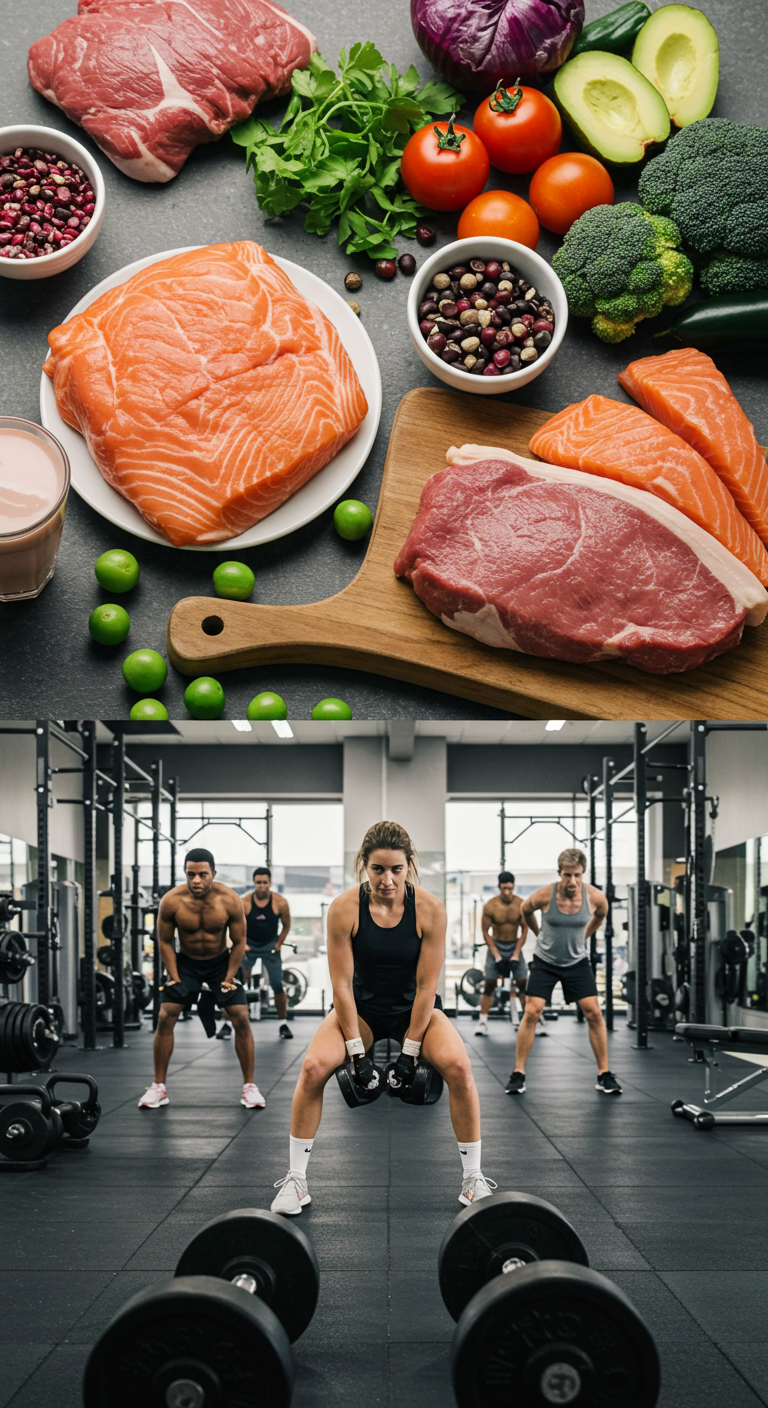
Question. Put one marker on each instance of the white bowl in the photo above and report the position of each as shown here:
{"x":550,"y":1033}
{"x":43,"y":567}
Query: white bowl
{"x":48,"y":139}
{"x":525,"y":262}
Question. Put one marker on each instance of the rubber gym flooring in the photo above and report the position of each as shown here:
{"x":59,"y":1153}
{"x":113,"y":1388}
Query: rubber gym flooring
{"x":675,"y":1216}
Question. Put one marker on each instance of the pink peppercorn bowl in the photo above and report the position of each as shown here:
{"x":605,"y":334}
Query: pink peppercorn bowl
{"x":66,"y":149}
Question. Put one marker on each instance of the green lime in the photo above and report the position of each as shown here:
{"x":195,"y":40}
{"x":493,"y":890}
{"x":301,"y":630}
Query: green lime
{"x":205,"y":698}
{"x":331,"y":709}
{"x":352,"y":520}
{"x":145,"y":670}
{"x":267,"y":706}
{"x":148,"y":709}
{"x":117,"y":570}
{"x":233,"y":580}
{"x":109,"y":624}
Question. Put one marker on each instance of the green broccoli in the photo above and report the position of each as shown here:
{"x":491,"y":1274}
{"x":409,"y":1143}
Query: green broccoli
{"x":618,"y":265}
{"x":712,"y":180}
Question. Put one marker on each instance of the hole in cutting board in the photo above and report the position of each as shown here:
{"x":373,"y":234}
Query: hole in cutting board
{"x":213,"y":625}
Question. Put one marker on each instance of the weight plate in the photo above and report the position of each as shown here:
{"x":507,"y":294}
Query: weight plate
{"x":14,"y":957}
{"x":6,"y":1059}
{"x":226,"y":1346}
{"x":295,"y":985}
{"x":263,"y":1245}
{"x":25,"y":1133}
{"x":16,"y":1041}
{"x":471,"y":986}
{"x":354,"y":1094}
{"x":109,"y":929}
{"x":40,"y":1039}
{"x":484,"y":1237}
{"x":553,"y":1333}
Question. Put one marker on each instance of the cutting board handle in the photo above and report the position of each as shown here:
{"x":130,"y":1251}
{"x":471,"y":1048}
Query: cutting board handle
{"x":208,"y":634}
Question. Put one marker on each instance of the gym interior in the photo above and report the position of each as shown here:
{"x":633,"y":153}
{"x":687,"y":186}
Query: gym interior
{"x":653,"y":1285}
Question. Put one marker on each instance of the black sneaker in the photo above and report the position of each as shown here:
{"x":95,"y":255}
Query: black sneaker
{"x":516,"y":1083}
{"x":608,"y":1083}
{"x":225,"y":1032}
{"x":285,"y":1032}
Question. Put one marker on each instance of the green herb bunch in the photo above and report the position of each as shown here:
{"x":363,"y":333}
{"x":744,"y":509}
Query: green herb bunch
{"x":339,"y":145}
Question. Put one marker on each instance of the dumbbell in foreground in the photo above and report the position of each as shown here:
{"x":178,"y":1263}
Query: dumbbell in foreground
{"x":35,"y":1124}
{"x":219,"y":1334}
{"x":535,"y":1325}
{"x":425,"y":1089}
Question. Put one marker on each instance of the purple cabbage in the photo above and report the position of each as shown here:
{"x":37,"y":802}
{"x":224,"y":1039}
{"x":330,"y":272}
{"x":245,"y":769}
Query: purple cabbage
{"x":475,"y":44}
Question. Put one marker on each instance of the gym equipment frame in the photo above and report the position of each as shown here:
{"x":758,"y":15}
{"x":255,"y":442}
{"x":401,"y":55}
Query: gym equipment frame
{"x":707,"y":1044}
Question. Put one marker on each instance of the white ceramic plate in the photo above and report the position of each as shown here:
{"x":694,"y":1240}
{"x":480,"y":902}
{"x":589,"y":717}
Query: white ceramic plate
{"x":322,"y":490}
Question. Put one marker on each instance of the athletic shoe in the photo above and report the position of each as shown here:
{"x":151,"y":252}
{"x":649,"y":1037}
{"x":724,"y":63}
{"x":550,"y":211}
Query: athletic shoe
{"x":608,"y":1084}
{"x":252,"y":1097}
{"x":516,"y":1083}
{"x":285,"y":1032}
{"x":224,"y":1033}
{"x":474,"y":1187}
{"x":293,"y":1195}
{"x":482,"y":1029}
{"x":154,"y":1096}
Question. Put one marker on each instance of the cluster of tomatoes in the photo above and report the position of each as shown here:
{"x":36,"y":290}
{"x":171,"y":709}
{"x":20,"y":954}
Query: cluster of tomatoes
{"x":518,"y":130}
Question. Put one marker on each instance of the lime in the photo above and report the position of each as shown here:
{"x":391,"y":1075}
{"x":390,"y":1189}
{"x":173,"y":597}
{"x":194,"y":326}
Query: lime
{"x":352,"y":520}
{"x":109,"y":624}
{"x":233,"y":580}
{"x":117,"y":570}
{"x":205,"y":698}
{"x":145,"y":669}
{"x":331,"y":709}
{"x":267,"y":706}
{"x":148,"y":709}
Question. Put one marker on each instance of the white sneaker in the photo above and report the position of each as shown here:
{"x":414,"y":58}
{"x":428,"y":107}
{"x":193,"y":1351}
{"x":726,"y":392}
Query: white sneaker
{"x":293,"y":1195}
{"x":252,"y":1097}
{"x":482,"y":1029}
{"x":154,"y":1096}
{"x":475,"y":1187}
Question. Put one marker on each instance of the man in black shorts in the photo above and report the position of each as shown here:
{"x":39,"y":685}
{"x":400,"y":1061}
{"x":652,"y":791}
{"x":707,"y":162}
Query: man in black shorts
{"x":200,"y":912}
{"x":571,"y":911}
{"x":265,"y":909}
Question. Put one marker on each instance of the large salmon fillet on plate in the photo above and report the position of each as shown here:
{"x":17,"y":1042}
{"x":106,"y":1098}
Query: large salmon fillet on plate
{"x":207,"y":388}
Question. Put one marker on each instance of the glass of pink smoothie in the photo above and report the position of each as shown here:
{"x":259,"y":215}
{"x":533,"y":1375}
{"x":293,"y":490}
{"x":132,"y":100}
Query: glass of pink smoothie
{"x":34,"y":483}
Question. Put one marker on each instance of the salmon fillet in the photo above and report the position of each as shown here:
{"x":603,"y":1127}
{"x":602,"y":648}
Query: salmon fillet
{"x":686,"y":392}
{"x":207,"y":388}
{"x":606,"y":437}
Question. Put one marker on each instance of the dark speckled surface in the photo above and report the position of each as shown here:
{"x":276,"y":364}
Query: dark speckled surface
{"x":48,"y":665}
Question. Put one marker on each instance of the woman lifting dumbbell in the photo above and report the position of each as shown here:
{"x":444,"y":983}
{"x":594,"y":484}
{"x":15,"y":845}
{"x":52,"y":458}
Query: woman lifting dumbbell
{"x":386,"y":947}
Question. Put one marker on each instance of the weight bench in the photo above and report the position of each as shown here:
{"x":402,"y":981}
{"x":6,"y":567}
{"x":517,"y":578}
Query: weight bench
{"x":708,"y":1043}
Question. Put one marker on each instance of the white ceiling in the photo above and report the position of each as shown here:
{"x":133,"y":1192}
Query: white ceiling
{"x":194,"y":731}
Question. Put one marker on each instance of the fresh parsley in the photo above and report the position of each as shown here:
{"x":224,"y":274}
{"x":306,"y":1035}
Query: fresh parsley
{"x":338,"y":148}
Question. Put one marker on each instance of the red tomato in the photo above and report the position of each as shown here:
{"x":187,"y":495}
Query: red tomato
{"x":444,"y":177}
{"x":519,"y":128}
{"x":567,"y":185}
{"x":500,"y":213}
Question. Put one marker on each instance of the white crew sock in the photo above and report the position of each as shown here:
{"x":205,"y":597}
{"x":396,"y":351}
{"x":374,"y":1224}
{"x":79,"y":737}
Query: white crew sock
{"x":483,"y":1019}
{"x":470,"y":1157}
{"x":300,"y":1152}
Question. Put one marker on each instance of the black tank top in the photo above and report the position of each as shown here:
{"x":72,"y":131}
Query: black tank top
{"x":261,"y":925}
{"x":386,"y":959}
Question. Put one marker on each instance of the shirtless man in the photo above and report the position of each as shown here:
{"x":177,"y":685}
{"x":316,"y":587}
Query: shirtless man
{"x":386,"y":947}
{"x":571,"y":911}
{"x":200,"y":912}
{"x":264,"y":910}
{"x":505,"y":932}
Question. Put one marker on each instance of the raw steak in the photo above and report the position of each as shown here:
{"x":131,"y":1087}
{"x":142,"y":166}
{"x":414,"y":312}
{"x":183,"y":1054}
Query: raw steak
{"x":554,"y":562}
{"x":150,"y":79}
{"x":207,"y":388}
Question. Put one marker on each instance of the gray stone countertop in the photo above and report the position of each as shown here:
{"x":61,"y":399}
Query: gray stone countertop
{"x":48,"y":663}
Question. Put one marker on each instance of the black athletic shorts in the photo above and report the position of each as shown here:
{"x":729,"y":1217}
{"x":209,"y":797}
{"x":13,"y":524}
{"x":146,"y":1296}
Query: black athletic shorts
{"x":577,"y":979}
{"x":193,"y":972}
{"x":393,"y":1027}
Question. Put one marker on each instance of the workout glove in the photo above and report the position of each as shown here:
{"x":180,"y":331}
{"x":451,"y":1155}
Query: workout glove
{"x":365,"y":1073}
{"x":404,"y":1070}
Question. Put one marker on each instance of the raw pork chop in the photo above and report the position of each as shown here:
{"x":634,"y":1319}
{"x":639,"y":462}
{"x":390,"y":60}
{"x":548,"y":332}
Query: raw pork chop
{"x":686,"y":392}
{"x":150,"y":79}
{"x":553,"y":562}
{"x":207,"y":388}
{"x":601,"y":436}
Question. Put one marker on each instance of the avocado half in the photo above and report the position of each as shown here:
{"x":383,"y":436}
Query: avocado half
{"x":613,"y":110}
{"x":677,"y":51}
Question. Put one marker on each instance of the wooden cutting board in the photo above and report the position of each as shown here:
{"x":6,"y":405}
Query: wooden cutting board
{"x":377,"y":623}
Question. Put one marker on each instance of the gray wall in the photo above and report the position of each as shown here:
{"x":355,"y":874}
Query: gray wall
{"x":18,"y":810}
{"x":274,"y":770}
{"x":737,"y":772}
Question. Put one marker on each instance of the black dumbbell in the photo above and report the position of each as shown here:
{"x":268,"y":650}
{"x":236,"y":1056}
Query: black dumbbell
{"x":535,"y":1325}
{"x":79,"y":1118}
{"x":30,"y":1127}
{"x":354,"y":1094}
{"x":220,"y":1333}
{"x":425,"y":1088}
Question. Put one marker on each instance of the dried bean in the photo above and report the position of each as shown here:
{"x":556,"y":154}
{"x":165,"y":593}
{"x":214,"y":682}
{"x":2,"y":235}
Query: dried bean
{"x":385,"y":268}
{"x":450,"y":354}
{"x":468,"y":282}
{"x":352,"y":281}
{"x":477,"y":266}
{"x":425,"y":234}
{"x":493,"y":270}
{"x":458,"y":271}
{"x":470,"y":344}
{"x":491,"y":370}
{"x":354,"y":306}
{"x":528,"y":354}
{"x":542,"y":340}
{"x":469,"y":362}
{"x":441,"y":281}
{"x":406,"y":264}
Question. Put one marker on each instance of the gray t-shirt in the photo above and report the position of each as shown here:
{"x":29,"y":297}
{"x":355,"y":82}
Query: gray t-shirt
{"x":561,"y":941}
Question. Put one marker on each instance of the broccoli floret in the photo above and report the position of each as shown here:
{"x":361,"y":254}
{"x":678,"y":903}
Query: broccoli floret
{"x":712,"y":179}
{"x":619,"y":264}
